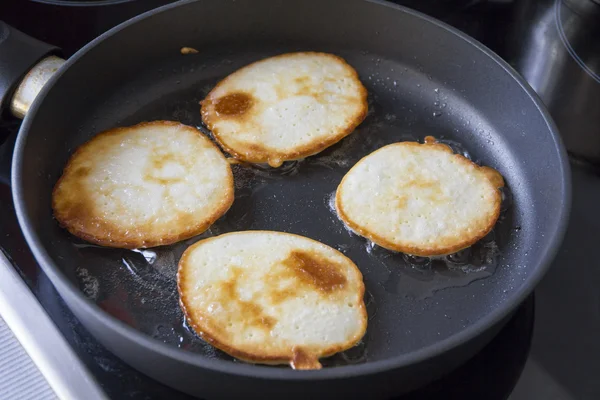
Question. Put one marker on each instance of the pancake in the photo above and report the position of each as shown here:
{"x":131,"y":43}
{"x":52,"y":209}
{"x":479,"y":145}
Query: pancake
{"x":285,"y":107}
{"x":419,"y":199}
{"x":151,"y":184}
{"x":272,"y":298}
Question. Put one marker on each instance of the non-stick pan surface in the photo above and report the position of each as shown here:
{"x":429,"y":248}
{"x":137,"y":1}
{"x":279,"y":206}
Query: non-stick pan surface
{"x":423,"y":78}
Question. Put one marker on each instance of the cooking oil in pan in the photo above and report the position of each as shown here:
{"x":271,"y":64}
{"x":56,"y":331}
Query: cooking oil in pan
{"x":139,"y":287}
{"x":421,"y":277}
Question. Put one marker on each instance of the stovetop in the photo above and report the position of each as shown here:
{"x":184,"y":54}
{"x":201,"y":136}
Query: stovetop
{"x":549,"y":349}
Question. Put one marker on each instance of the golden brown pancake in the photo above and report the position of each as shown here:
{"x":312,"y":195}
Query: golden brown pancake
{"x":272,"y":298}
{"x":285,"y":107}
{"x":419,"y":199}
{"x":151,"y":184}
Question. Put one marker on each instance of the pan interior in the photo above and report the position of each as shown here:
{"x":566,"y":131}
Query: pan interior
{"x":431,"y":82}
{"x":411,"y":303}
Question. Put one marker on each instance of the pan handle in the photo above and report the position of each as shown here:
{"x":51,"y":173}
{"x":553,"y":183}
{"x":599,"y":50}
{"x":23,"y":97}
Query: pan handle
{"x":26,"y":64}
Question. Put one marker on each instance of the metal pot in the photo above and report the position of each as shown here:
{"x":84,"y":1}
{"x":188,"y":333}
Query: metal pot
{"x":554,"y":45}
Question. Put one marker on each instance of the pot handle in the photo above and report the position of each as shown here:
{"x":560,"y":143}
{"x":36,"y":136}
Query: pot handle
{"x":26,"y":64}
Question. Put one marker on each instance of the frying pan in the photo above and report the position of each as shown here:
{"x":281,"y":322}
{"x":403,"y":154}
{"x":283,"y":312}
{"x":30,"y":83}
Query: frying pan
{"x":423,"y":77}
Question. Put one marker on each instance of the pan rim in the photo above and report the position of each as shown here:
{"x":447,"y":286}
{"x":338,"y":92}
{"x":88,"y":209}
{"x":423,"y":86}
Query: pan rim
{"x":62,"y":283}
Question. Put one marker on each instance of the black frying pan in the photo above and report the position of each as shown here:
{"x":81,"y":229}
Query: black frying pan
{"x":423,"y":78}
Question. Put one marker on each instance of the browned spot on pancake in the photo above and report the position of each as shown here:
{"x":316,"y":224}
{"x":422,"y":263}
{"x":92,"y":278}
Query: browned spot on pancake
{"x":277,"y":296}
{"x":70,"y":200}
{"x":315,"y":270}
{"x":302,"y":359}
{"x":275,"y":162}
{"x":429,"y":190}
{"x":233,"y":104}
{"x":316,"y":90}
{"x":302,"y":80}
{"x":303,"y":271}
{"x":268,"y":322}
{"x":82,"y":172}
{"x":161,"y":159}
{"x":426,"y":184}
{"x":494,"y":176}
{"x":76,"y":211}
{"x":307,"y":88}
{"x":248,"y":313}
{"x":432,"y":185}
{"x":157,"y":162}
{"x":402,"y":201}
{"x":430,"y":140}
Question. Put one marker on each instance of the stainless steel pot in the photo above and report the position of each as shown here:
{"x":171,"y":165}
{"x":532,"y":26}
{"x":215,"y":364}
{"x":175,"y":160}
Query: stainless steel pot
{"x":555,"y":45}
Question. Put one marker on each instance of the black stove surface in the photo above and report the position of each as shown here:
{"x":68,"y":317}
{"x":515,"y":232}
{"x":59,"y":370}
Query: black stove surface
{"x":553,"y":356}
